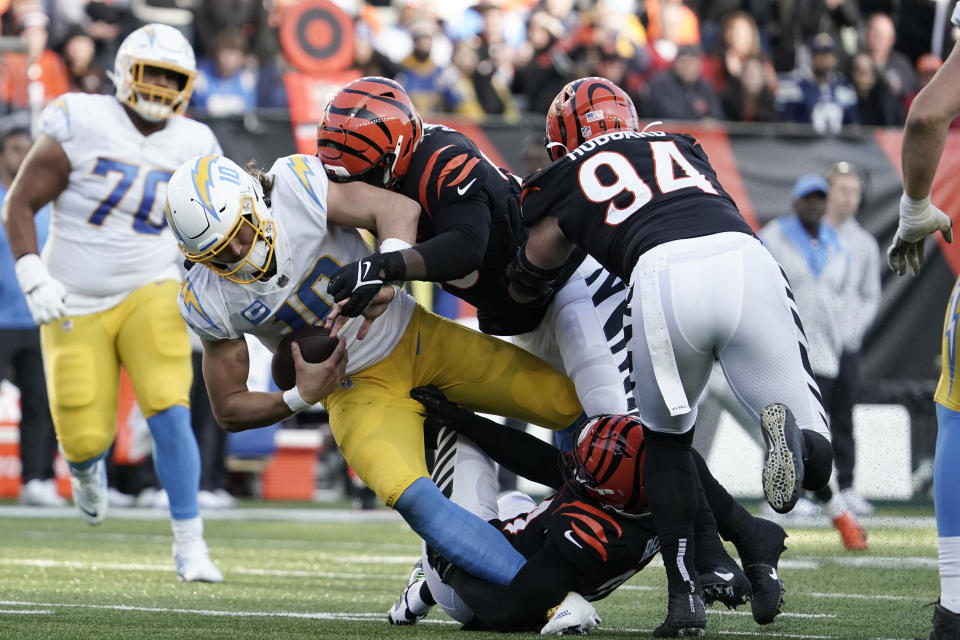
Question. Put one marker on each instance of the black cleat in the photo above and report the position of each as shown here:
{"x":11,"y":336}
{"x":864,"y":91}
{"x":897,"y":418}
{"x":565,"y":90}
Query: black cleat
{"x":946,"y":624}
{"x":686,"y":617}
{"x":760,"y":554}
{"x":767,"y":590}
{"x":783,"y":461}
{"x":726,"y":584}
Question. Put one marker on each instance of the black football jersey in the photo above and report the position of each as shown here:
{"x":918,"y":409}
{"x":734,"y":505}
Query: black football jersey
{"x":447,"y":168}
{"x":623,"y":193}
{"x":605,"y":548}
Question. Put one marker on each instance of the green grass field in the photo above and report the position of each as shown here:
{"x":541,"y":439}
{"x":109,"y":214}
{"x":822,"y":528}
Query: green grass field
{"x":60,"y":578}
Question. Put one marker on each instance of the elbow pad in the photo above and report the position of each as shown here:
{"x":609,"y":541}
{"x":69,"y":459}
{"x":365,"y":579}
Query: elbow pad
{"x":534,"y":284}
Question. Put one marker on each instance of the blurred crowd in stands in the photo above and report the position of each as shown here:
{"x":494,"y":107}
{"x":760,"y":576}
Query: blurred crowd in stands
{"x":825,"y":62}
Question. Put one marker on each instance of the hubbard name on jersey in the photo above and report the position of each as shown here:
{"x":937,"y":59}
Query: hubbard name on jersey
{"x":112,"y":205}
{"x":307,"y":252}
{"x":623,"y":193}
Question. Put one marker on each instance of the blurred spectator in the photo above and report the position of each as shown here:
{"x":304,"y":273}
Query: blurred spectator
{"x":875,"y":101}
{"x":469,"y":84}
{"x":626,"y":72}
{"x":822,"y":97}
{"x":533,"y":155}
{"x":667,"y":34}
{"x":432,"y":88}
{"x":83,"y":72}
{"x":748,"y":97}
{"x":860,"y":299}
{"x":544,"y":65}
{"x":249,"y":17}
{"x":879,"y":38}
{"x":927,"y":66}
{"x":226,"y":83}
{"x":493,"y":72}
{"x":30,"y":78}
{"x":739,"y":40}
{"x":839,"y":18}
{"x":20,"y":347}
{"x":681,"y":93}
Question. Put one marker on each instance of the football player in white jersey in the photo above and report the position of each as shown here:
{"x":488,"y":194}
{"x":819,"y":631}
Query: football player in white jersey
{"x":924,"y":138}
{"x":266,"y":244}
{"x":105,"y":289}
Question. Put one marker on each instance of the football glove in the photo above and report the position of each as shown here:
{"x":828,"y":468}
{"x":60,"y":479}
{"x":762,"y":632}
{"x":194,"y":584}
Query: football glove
{"x":573,"y":616}
{"x":361,"y":280}
{"x":44,"y":294}
{"x":437,"y":404}
{"x":918,"y":219}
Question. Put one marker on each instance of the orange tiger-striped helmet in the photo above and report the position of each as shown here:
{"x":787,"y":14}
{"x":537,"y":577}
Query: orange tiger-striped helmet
{"x":584,"y":109}
{"x":607,"y":462}
{"x":368,"y":132}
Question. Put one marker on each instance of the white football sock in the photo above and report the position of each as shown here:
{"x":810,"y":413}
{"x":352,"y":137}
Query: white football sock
{"x":189,"y":529}
{"x":949,"y":549}
{"x":416,"y":604}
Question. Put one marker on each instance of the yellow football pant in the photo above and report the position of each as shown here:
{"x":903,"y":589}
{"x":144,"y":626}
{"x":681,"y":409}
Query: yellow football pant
{"x":379,"y":427}
{"x":82,"y":357}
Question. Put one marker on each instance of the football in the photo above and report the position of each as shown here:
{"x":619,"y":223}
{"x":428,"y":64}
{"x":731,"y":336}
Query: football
{"x":316,"y":345}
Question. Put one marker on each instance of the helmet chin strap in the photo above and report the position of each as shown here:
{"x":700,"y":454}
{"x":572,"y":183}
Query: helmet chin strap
{"x":551,"y":145}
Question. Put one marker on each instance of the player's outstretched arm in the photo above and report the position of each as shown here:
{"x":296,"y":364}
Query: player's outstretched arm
{"x":924,"y":136}
{"x":226,"y":364}
{"x":42,"y":177}
{"x":389,"y":214}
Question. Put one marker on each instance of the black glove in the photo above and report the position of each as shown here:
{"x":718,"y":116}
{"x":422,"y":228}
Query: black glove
{"x":533,"y":285}
{"x":437,"y":405}
{"x":361,"y":280}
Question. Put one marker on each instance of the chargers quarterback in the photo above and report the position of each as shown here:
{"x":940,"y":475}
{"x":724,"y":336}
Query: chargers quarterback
{"x":105,"y":290}
{"x":264,"y":246}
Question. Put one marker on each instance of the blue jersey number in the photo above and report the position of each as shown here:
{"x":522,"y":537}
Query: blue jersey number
{"x":308,"y":306}
{"x":128,"y":173}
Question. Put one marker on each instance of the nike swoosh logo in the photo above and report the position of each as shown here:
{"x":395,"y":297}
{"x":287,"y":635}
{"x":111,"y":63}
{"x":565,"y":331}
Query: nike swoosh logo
{"x":568,"y":534}
{"x":773,"y":574}
{"x":366,"y":270}
{"x":462,"y":190}
{"x":723,"y":576}
{"x":92,"y":514}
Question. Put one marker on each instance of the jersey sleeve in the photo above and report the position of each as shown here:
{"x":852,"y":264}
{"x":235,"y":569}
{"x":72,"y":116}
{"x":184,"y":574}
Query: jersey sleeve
{"x":301,"y":182}
{"x":55,"y":120}
{"x":536,"y":195}
{"x":198,"y":311}
{"x":454,"y":173}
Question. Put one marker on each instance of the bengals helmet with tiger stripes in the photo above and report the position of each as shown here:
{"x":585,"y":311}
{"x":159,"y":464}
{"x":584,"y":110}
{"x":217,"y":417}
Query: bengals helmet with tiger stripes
{"x":368,"y":132}
{"x":607,"y":462}
{"x":584,"y":109}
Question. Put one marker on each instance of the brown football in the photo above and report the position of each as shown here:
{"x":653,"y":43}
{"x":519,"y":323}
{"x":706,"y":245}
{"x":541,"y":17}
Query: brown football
{"x":316,"y":345}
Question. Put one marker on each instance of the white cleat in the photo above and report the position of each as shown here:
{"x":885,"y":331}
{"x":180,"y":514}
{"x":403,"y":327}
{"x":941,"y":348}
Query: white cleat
{"x":40,"y":493}
{"x":192,"y":559}
{"x":90,"y":492}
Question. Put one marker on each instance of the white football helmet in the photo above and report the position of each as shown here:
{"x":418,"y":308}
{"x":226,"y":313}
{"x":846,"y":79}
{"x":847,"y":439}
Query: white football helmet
{"x":158,"y":46}
{"x":210,"y":200}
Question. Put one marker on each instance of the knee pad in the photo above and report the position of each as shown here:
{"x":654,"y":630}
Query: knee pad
{"x":817,"y":460}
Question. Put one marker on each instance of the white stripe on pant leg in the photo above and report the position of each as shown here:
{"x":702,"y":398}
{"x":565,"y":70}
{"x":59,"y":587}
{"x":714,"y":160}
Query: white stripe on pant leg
{"x":647,"y":281}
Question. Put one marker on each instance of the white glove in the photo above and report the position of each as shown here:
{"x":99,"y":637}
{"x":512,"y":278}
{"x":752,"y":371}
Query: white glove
{"x":44,"y":294}
{"x":918,"y":219}
{"x":572,"y":616}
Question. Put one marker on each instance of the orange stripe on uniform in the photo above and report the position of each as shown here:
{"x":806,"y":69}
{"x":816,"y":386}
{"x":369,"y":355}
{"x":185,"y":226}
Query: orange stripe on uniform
{"x":465,"y":172}
{"x":425,"y":178}
{"x":590,"y":540}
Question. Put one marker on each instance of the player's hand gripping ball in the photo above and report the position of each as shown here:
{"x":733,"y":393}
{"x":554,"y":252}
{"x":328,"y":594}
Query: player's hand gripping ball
{"x":315,"y":344}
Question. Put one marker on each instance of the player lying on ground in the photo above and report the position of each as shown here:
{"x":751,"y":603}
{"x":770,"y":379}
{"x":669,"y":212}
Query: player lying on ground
{"x":590,"y":536}
{"x":264,"y":245}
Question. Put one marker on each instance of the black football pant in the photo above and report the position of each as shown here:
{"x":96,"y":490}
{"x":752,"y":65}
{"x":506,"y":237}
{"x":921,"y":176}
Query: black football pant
{"x":20,"y":354}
